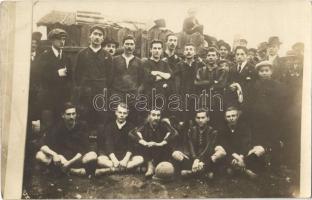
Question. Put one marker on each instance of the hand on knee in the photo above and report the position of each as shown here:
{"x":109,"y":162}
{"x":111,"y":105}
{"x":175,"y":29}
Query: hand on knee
{"x":178,"y":155}
{"x":88,"y":157}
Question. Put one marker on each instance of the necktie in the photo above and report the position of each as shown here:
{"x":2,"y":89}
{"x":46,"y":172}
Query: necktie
{"x":239,"y":68}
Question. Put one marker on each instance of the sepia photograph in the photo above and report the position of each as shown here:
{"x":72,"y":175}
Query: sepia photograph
{"x":155,"y":99}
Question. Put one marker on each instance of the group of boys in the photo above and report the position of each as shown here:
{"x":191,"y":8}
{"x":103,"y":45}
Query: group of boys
{"x":194,"y":141}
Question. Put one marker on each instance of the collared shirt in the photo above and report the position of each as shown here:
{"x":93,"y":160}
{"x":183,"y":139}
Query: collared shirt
{"x":95,"y":49}
{"x":120,"y":125}
{"x":57,"y":53}
{"x":241,"y":66}
{"x":128,"y":59}
{"x":33,"y":55}
{"x":152,"y":58}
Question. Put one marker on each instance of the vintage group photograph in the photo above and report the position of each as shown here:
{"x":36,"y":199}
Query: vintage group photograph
{"x":142,"y":99}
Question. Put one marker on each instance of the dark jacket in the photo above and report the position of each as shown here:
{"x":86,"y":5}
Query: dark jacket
{"x":247,"y":74}
{"x":55,"y":90}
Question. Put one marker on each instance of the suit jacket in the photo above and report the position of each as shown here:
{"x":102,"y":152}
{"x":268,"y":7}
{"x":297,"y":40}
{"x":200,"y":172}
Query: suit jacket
{"x":55,"y":90}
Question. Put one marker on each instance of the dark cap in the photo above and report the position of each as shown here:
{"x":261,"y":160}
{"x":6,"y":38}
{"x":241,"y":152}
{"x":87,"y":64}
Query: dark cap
{"x":274,"y":40}
{"x":57,"y":33}
{"x":109,"y":41}
{"x":263,"y":63}
{"x":98,"y":28}
{"x":222,"y":43}
{"x":202,"y":51}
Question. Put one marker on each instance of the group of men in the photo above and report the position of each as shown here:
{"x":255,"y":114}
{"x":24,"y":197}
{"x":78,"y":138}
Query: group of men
{"x":236,"y":134}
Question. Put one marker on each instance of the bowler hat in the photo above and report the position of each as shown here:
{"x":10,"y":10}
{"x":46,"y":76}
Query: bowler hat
{"x":56,"y":33}
{"x":263,"y":63}
{"x":274,"y":40}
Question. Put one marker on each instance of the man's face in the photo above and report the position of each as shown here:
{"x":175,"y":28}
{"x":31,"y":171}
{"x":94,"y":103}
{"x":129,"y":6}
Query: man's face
{"x":34,"y":45}
{"x":201,"y":119}
{"x":231,"y":117}
{"x":212,"y":57}
{"x":240,"y":56}
{"x":156,"y":50}
{"x":58,"y":43}
{"x":70,"y":117}
{"x":96,"y":37}
{"x":265,"y":72}
{"x":189,"y":52}
{"x":223,"y":52}
{"x":251,"y":55}
{"x":273,"y":50}
{"x":129,"y":46}
{"x":154,"y":117}
{"x":172,"y":42}
{"x":110,"y":48}
{"x":262,"y":54}
{"x":121,"y":114}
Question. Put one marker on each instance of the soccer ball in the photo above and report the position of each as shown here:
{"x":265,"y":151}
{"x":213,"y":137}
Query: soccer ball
{"x":164,"y":170}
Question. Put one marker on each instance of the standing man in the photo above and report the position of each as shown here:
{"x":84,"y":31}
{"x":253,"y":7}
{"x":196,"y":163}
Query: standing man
{"x":157,"y":72}
{"x":127,"y":76}
{"x":154,"y":138}
{"x":202,"y":153}
{"x":66,"y":145}
{"x":55,"y":76}
{"x":262,"y":51}
{"x":92,"y":75}
{"x":186,"y":75}
{"x":272,"y":51}
{"x":116,"y":150}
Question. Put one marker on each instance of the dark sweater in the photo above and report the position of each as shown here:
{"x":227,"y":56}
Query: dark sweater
{"x":126,"y":79}
{"x":68,"y":142}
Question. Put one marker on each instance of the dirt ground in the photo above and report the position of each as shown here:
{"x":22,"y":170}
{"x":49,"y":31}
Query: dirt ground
{"x":47,"y":185}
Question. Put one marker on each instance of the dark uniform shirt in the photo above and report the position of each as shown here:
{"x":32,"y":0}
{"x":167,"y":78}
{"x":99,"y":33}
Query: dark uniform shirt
{"x":202,"y":143}
{"x":115,"y":140}
{"x":68,"y":142}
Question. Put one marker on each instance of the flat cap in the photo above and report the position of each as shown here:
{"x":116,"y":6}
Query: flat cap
{"x":110,"y":41}
{"x":56,"y":33}
{"x":98,"y":28}
{"x":263,"y":63}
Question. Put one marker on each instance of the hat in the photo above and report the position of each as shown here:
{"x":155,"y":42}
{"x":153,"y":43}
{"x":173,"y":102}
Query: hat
{"x":202,"y":51}
{"x":262,"y":46}
{"x":263,"y":63}
{"x":110,"y":41}
{"x":222,"y":43}
{"x":274,"y":40}
{"x":161,"y":23}
{"x":98,"y":28}
{"x":36,"y":36}
{"x":298,"y":46}
{"x":57,"y":33}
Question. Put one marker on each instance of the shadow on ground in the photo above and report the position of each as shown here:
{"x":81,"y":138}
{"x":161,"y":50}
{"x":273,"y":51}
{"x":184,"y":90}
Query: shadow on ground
{"x":48,"y":185}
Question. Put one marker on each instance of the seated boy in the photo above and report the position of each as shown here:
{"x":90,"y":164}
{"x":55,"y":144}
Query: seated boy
{"x":202,"y":150}
{"x":114,"y":145}
{"x":66,"y":145}
{"x":154,"y":140}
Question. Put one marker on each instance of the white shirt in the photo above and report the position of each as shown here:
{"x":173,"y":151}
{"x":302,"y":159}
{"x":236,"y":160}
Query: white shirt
{"x":242,"y":66}
{"x":128,"y":59}
{"x":95,"y":49}
{"x":33,"y":55}
{"x":120,"y":125}
{"x":57,"y":52}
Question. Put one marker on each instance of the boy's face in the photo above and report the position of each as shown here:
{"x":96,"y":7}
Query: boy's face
{"x":70,"y":117}
{"x":154,"y":117}
{"x":110,"y":48}
{"x":265,"y":72}
{"x":58,"y":43}
{"x":156,"y":50}
{"x":231,"y":117}
{"x":223,"y":52}
{"x":201,"y":119}
{"x":96,"y":37}
{"x":121,"y":114}
{"x":189,"y":52}
{"x":240,"y":56}
{"x":212,"y":57}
